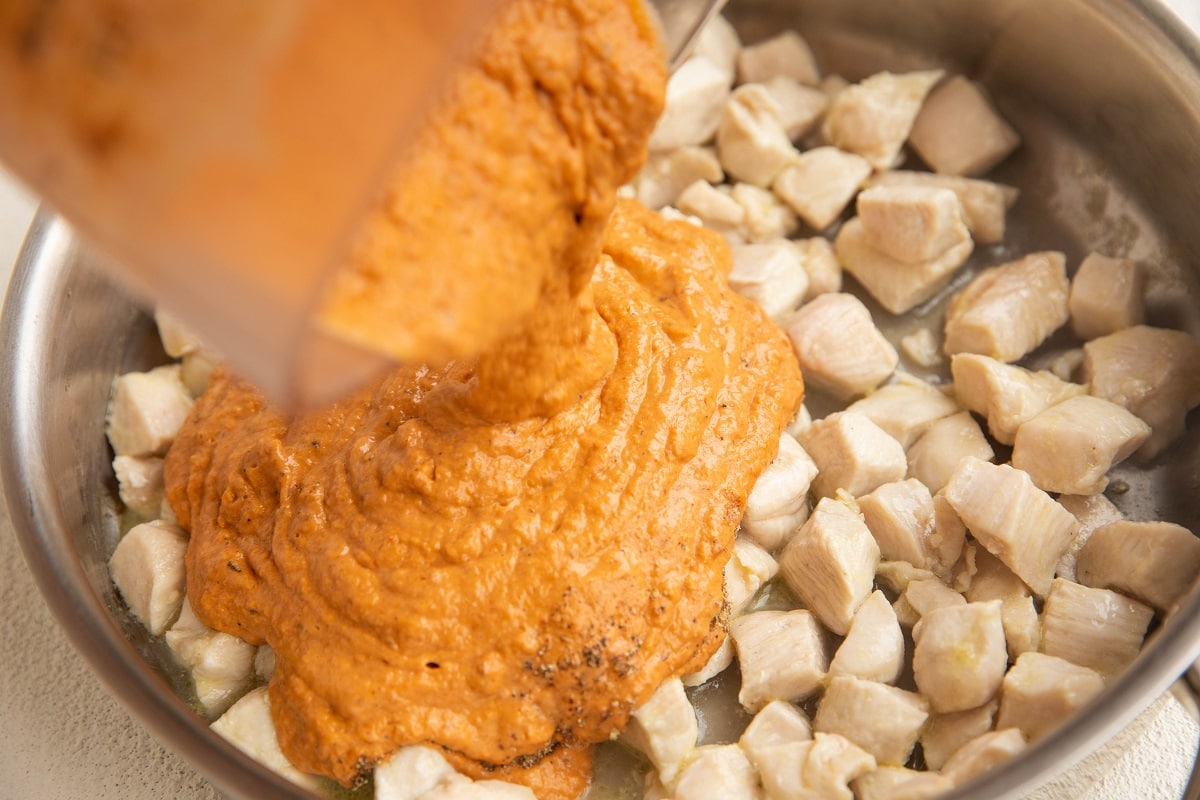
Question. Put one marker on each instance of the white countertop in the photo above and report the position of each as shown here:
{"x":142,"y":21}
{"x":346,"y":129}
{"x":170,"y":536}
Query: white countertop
{"x":62,"y":737}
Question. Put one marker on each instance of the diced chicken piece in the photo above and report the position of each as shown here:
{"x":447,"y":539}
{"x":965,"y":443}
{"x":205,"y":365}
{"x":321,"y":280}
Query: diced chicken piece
{"x":852,"y":454}
{"x":716,"y":664}
{"x":800,"y":106}
{"x":247,"y":726}
{"x":1022,"y":625}
{"x":800,"y":423}
{"x":1016,"y":521}
{"x":1155,"y":562}
{"x":668,"y":173}
{"x":1008,"y":310}
{"x":959,"y":657}
{"x":1066,"y":365}
{"x":1006,"y":395}
{"x":895,"y":576}
{"x":905,"y":409}
{"x":718,"y":772}
{"x":653,"y":789}
{"x":177,"y":339}
{"x":751,"y":142}
{"x":785,"y":54}
{"x":147,"y":569}
{"x":1040,"y":692}
{"x":925,"y":596}
{"x":719,"y":43}
{"x":839,"y":348}
{"x":832,"y":763}
{"x":146,"y":410}
{"x":1154,"y":372}
{"x":993,"y":580}
{"x":714,"y":208}
{"x":264,"y":661}
{"x":906,"y":615}
{"x":411,"y":772}
{"x":675,"y":215}
{"x":898,"y":286}
{"x":1091,"y":512}
{"x":922,"y":347}
{"x":873,"y":118}
{"x":913,"y":223}
{"x":958,"y":131}
{"x":821,"y":264}
{"x":874,"y":646}
{"x":881,"y":719}
{"x":783,"y":656}
{"x":982,"y":754}
{"x":778,"y":503}
{"x":697,"y":93}
{"x":833,"y":85}
{"x":771,"y":275}
{"x":196,"y":369}
{"x":665,"y":729}
{"x":140,"y":483}
{"x":1107,"y":295}
{"x":984,"y":204}
{"x":820,"y":183}
{"x":900,"y":783}
{"x":768,"y":219}
{"x":220,"y":664}
{"x":778,"y":722}
{"x":830,"y":564}
{"x":965,"y":569}
{"x":900,"y":516}
{"x":946,"y":733}
{"x":1070,"y":447}
{"x":946,"y":542}
{"x":466,"y":789}
{"x":747,"y":570}
{"x":935,"y":456}
{"x":1096,"y":628}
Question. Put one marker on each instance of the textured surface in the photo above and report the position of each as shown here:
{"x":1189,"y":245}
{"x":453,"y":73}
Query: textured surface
{"x":62,"y":737}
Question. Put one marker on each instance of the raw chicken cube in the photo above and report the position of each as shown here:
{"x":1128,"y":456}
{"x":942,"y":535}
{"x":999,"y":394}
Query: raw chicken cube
{"x":1154,"y":372}
{"x":958,"y":131}
{"x":140,"y":483}
{"x":771,"y":275}
{"x":1004,"y":394}
{"x":783,"y":656}
{"x":1095,"y":628}
{"x":959,"y":656}
{"x":821,"y":264}
{"x":984,"y":204}
{"x":873,"y":118}
{"x":898,"y":286}
{"x":852,"y":454}
{"x":830,"y":564}
{"x":768,"y":219}
{"x":901,"y":517}
{"x":1091,"y":512}
{"x":1070,"y":447}
{"x":946,"y":733}
{"x":900,"y":783}
{"x":719,"y":43}
{"x":982,"y":754}
{"x":718,"y":772}
{"x":411,"y":772}
{"x":883,"y":720}
{"x":1107,"y":295}
{"x":1008,"y":310}
{"x":785,"y":54}
{"x":751,"y":142}
{"x":905,"y":409}
{"x":1155,"y":562}
{"x":1040,"y":692}
{"x":874,"y":646}
{"x":147,"y":569}
{"x":778,"y":503}
{"x":1016,"y":521}
{"x":820,"y":183}
{"x":146,"y":410}
{"x":747,"y":570}
{"x":665,"y":729}
{"x":697,"y":93}
{"x":714,"y":208}
{"x":912,"y":224}
{"x":933,"y":457}
{"x":247,"y":725}
{"x":220,"y":664}
{"x":669,"y":173}
{"x":800,"y":106}
{"x":839,"y":348}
